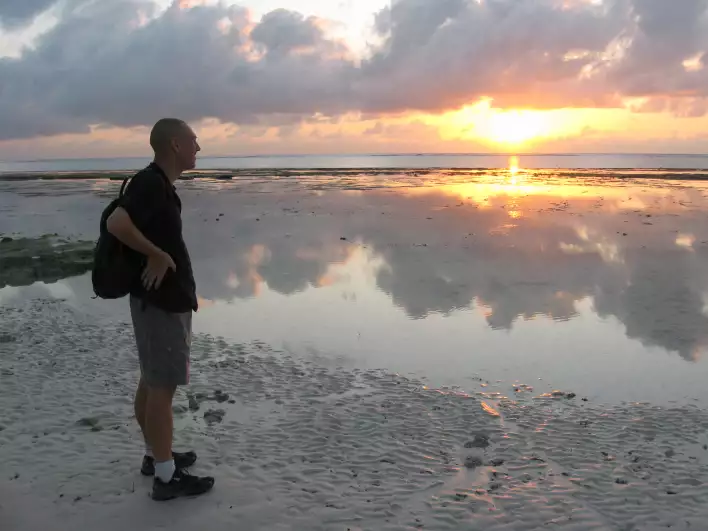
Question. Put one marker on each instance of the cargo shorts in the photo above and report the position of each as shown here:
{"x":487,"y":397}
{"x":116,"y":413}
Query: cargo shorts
{"x":164,"y":341}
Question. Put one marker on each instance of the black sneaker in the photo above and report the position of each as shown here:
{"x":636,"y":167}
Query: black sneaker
{"x":182,"y":460}
{"x":181,"y":485}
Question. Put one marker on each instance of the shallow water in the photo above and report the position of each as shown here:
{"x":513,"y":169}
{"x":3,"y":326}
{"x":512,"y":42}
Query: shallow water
{"x":595,"y":286}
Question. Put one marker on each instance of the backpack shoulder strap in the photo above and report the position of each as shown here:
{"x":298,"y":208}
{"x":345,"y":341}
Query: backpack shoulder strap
{"x":122,"y":187}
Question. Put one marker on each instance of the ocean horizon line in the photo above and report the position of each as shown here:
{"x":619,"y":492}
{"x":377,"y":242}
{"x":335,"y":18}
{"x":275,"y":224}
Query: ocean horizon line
{"x":364,"y":154}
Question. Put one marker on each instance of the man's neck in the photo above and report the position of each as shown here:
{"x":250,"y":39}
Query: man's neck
{"x":169,"y":168}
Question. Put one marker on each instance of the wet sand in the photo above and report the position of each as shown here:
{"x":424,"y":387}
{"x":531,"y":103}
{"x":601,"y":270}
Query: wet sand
{"x":379,"y":357}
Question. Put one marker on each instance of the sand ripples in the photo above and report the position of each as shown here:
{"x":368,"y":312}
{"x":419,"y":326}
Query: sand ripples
{"x":340,"y":447}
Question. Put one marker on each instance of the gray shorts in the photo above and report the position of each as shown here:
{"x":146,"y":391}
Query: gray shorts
{"x":164,"y":340}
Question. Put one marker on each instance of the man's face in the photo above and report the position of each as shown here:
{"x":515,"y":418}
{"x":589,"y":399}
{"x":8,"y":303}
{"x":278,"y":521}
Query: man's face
{"x":187,"y":148}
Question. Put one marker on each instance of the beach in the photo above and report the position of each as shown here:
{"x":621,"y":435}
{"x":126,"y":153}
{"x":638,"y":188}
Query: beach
{"x":401,"y":349}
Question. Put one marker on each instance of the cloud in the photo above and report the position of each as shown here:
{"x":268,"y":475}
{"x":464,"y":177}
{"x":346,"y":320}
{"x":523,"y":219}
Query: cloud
{"x":126,"y":63}
{"x":282,"y":31}
{"x":118,"y":63}
{"x":15,"y":13}
{"x":664,"y":59}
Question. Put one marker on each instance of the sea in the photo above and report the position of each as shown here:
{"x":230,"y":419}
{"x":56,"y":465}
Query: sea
{"x":363,"y":161}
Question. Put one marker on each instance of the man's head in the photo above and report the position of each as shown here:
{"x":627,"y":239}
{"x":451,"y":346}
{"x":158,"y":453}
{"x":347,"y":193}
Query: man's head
{"x":174,"y":141}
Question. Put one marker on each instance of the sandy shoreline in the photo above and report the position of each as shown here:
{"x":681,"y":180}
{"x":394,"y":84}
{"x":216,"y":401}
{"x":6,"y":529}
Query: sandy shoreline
{"x":329,"y":447}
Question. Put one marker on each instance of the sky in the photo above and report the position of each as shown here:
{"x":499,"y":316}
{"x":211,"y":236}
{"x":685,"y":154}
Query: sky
{"x":88,"y":78}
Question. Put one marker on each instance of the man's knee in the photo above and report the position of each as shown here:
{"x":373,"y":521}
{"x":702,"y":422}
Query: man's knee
{"x":161,"y":393}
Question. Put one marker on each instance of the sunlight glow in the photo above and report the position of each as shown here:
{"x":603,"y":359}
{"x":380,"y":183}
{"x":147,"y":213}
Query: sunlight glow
{"x":694,"y":63}
{"x":511,"y":128}
{"x":686,"y":241}
{"x":513,"y":168}
{"x":515,"y":127}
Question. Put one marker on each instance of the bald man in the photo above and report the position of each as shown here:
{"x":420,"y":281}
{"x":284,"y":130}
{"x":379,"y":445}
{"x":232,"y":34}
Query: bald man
{"x":149,"y":221}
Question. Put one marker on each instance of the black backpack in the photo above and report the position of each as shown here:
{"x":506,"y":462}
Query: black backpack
{"x":116,"y":267}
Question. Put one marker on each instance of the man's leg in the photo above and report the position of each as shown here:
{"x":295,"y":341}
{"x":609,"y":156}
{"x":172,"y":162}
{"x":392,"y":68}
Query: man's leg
{"x":150,"y":325}
{"x":158,"y":417}
{"x":140,"y":406}
{"x":165,"y":365}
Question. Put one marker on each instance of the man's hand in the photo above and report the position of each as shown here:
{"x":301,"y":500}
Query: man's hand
{"x":121,"y":226}
{"x":156,"y":269}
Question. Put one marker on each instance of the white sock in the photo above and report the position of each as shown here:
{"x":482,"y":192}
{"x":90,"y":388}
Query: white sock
{"x":148,"y":450}
{"x":165,"y":470}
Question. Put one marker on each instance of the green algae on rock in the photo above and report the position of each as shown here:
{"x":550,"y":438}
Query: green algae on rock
{"x":48,"y":258}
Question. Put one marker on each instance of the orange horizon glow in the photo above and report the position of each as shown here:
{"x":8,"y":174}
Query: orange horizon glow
{"x":475,"y":128}
{"x":512,"y":129}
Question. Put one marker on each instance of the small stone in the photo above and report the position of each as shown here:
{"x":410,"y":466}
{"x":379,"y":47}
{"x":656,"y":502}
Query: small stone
{"x":221,"y":397}
{"x":497,"y":462}
{"x":621,"y":481}
{"x":214,"y":416}
{"x":473,"y":461}
{"x":669,"y":453}
{"x":193,"y":404}
{"x":480,"y":441}
{"x":88,"y":422}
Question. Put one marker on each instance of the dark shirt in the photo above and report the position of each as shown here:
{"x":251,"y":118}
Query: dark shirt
{"x":153,"y":205}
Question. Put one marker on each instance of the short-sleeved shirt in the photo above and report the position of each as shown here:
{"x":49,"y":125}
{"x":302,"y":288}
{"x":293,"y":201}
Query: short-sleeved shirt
{"x":153,"y":205}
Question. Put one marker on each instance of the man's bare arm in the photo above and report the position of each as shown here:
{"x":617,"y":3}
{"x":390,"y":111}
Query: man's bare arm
{"x":122,"y":227}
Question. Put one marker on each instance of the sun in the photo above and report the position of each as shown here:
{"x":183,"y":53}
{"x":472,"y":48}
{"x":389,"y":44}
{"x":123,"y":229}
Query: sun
{"x":510,"y":128}
{"x":514,"y":127}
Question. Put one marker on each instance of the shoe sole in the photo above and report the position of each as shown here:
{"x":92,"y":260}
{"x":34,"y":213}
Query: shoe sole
{"x":176,"y":496}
